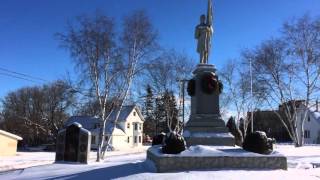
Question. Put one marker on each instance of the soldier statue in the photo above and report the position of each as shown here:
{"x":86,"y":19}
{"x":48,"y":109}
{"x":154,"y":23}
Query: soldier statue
{"x":203,"y":34}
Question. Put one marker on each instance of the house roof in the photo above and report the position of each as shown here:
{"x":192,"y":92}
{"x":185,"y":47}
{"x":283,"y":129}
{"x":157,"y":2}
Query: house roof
{"x":125,"y":111}
{"x":5,"y":133}
{"x":108,"y":129}
{"x":88,"y":122}
{"x":315,"y":114}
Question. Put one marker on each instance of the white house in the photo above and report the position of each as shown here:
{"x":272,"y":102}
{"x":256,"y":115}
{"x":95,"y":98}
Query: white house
{"x":311,"y":125}
{"x":126,"y":134}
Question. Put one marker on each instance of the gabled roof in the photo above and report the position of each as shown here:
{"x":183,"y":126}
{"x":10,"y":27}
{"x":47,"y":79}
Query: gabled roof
{"x":5,"y":133}
{"x":315,"y":114}
{"x":87,"y":122}
{"x":125,"y":111}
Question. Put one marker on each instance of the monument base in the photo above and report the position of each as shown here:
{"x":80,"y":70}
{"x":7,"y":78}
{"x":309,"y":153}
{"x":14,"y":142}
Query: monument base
{"x":205,"y":125}
{"x":206,"y":129}
{"x":216,"y":139}
{"x":213,"y":157}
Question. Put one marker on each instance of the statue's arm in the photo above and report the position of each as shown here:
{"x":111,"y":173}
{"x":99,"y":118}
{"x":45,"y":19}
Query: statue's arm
{"x":196,"y":33}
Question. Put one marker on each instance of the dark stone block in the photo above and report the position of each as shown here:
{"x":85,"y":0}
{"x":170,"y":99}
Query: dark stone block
{"x":174,"y":144}
{"x":258,"y":142}
{"x":235,"y":131}
{"x":158,"y":139}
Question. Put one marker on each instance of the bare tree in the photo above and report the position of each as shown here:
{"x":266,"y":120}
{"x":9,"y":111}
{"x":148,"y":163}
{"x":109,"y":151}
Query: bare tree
{"x":289,"y":66}
{"x":109,"y":66}
{"x":236,"y":93}
{"x":302,"y":38}
{"x":272,"y":68}
{"x":37,"y":113}
{"x":169,"y":66}
{"x":163,"y":74}
{"x":233,"y":88}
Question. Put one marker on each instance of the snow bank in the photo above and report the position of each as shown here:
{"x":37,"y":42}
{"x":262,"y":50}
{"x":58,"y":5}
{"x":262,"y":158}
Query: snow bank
{"x":29,"y":159}
{"x":201,"y":150}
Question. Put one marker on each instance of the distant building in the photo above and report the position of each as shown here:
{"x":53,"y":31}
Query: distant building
{"x":8,"y":143}
{"x":126,"y":134}
{"x":311,"y":125}
{"x":269,"y":122}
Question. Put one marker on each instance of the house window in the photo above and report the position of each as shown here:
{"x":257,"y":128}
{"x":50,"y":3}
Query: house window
{"x":308,"y":118}
{"x":134,"y":113}
{"x":128,"y":125}
{"x":106,"y":138}
{"x":93,"y":139}
{"x":306,"y":134}
{"x":128,"y":139}
{"x":96,"y":125}
{"x":139,"y":139}
{"x":135,"y":139}
{"x":140,"y":125}
{"x":136,"y":126}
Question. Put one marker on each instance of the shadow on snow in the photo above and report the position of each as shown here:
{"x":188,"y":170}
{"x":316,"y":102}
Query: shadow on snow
{"x":110,"y":172}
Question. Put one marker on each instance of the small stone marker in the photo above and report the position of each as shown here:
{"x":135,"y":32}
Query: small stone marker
{"x":315,"y":165}
{"x":73,"y":144}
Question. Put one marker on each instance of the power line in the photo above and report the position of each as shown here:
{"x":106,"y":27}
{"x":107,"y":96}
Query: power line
{"x":13,"y":76}
{"x":22,"y":74}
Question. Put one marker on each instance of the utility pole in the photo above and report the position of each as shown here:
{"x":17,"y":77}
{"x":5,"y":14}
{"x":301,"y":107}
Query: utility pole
{"x":251,"y":99}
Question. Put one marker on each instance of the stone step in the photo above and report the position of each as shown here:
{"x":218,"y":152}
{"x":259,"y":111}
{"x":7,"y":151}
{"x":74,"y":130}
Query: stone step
{"x":206,"y":123}
{"x":206,"y":119}
{"x":224,"y":159}
{"x":212,"y":129}
{"x":207,"y":116}
{"x":213,"y":141}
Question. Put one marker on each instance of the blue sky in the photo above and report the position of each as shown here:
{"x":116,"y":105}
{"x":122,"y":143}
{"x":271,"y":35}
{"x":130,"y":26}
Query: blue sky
{"x":27,"y":43}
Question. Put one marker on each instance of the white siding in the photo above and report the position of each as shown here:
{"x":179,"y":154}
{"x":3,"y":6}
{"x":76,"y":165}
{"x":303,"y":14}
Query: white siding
{"x":120,"y":138}
{"x":313,"y":126}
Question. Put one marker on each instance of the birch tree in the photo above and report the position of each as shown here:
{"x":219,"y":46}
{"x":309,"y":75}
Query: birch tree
{"x":302,"y":37}
{"x":273,"y":68}
{"x":236,"y":79}
{"x":289,"y":66}
{"x":108,"y":59}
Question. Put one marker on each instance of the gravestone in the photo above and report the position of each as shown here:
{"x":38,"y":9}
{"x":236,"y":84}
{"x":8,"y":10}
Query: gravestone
{"x":73,"y":144}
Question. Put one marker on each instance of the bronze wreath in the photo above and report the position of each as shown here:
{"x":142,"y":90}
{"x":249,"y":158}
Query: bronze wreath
{"x":209,"y":83}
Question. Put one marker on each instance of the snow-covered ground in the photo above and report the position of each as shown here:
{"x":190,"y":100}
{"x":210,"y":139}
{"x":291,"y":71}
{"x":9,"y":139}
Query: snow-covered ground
{"x":29,"y":159}
{"x":134,"y":166}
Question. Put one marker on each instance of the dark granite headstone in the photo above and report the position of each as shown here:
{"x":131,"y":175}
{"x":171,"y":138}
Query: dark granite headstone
{"x":73,"y":144}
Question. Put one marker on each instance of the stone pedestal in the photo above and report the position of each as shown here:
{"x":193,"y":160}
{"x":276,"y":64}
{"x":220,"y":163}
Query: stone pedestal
{"x":205,"y":126}
{"x":221,"y":157}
